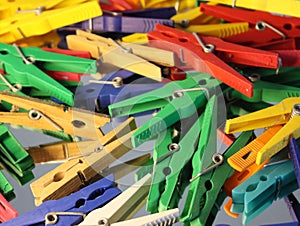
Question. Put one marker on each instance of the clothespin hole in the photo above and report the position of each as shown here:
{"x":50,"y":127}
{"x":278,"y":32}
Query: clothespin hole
{"x":217,"y":158}
{"x":183,"y":39}
{"x":177,"y":94}
{"x":78,"y":123}
{"x":3,"y":52}
{"x":34,"y":115}
{"x":208,"y":185}
{"x":263,"y":178}
{"x":174,"y":147}
{"x":202,"y":82}
{"x":104,"y":222}
{"x":296,"y":110}
{"x":167,"y":171}
{"x":98,"y":149}
{"x":58,"y":176}
{"x":90,"y":90}
{"x":287,"y":26}
{"x":51,"y":218}
{"x":260,"y":25}
{"x":251,"y":187}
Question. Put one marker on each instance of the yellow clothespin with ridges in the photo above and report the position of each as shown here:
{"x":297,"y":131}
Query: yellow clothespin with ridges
{"x":137,"y":38}
{"x":123,"y":55}
{"x":286,"y":113}
{"x":219,"y":30}
{"x":178,"y":4}
{"x":50,"y":39}
{"x":290,"y":7}
{"x":246,"y":157}
{"x":24,"y":25}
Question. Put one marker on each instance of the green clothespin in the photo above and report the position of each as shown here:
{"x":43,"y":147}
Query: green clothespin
{"x":14,"y":158}
{"x":204,"y":189}
{"x":268,"y":92}
{"x":240,"y":107}
{"x":23,"y":68}
{"x":5,"y":188}
{"x":178,"y":100}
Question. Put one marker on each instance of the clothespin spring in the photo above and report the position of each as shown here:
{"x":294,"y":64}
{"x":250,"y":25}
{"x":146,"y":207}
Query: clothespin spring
{"x":52,"y":217}
{"x":117,"y":82}
{"x":179,"y":93}
{"x":36,"y":115}
{"x":261,"y":26}
{"x":207,"y":48}
{"x":28,"y":60}
{"x":14,"y":88}
{"x":217,"y":158}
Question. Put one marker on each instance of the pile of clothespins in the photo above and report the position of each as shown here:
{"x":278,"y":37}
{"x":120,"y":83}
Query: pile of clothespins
{"x":204,"y":73}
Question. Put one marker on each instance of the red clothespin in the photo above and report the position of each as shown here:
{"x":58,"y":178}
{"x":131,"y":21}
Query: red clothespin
{"x":69,"y":76}
{"x":283,"y":44}
{"x":207,"y":54}
{"x":7,"y":212}
{"x":267,"y":27}
{"x":290,"y":58}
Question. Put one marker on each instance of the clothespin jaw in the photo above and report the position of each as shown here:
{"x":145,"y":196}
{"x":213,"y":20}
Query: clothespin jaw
{"x":96,"y":156}
{"x":284,"y":113}
{"x":6,"y":189}
{"x":14,"y":158}
{"x":122,"y":207}
{"x":61,"y":211}
{"x":259,"y":191}
{"x":7,"y":211}
{"x":293,"y":206}
{"x":204,"y":190}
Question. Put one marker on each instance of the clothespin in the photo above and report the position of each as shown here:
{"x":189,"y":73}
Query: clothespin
{"x":201,"y":53}
{"x":7,"y":212}
{"x":71,"y":209}
{"x":239,"y":107}
{"x":38,"y":22}
{"x":178,"y":100}
{"x":258,"y":192}
{"x":53,"y":117}
{"x":115,"y":22}
{"x":50,"y":39}
{"x":14,"y":158}
{"x":179,"y":5}
{"x":157,"y":13}
{"x":6,"y":189}
{"x":130,"y":56}
{"x":22,"y":68}
{"x":266,"y":27}
{"x":289,"y":8}
{"x":295,"y":153}
{"x":293,"y":206}
{"x":122,"y":207}
{"x":284,"y":113}
{"x":206,"y":185}
{"x":96,"y":156}
{"x":113,"y":87}
{"x":137,"y":38}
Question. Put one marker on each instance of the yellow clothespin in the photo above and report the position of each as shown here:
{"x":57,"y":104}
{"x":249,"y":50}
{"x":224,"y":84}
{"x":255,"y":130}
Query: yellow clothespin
{"x":123,"y":206}
{"x":24,"y":25}
{"x":286,"y":113}
{"x":137,"y":38}
{"x":290,"y":7}
{"x":179,"y":5}
{"x":219,"y":30}
{"x":123,"y":55}
{"x":54,"y":117}
{"x":50,"y":39}
{"x":79,"y":170}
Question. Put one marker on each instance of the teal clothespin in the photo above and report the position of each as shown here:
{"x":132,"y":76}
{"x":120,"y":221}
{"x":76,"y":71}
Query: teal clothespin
{"x":5,"y":188}
{"x":178,"y":100}
{"x":204,"y":190}
{"x":23,"y":69}
{"x":258,"y":192}
{"x":14,"y":158}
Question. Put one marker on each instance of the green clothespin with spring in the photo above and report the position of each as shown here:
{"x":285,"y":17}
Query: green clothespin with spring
{"x":23,"y":69}
{"x":5,"y":188}
{"x":14,"y":158}
{"x":178,"y":100}
{"x":205,"y":187}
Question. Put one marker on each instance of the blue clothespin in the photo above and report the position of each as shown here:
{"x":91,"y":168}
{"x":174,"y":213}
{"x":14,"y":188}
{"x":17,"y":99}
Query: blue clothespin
{"x":112,"y":88}
{"x":120,"y":24}
{"x":258,"y":192}
{"x":71,"y":209}
{"x":295,"y":157}
{"x":158,"y":13}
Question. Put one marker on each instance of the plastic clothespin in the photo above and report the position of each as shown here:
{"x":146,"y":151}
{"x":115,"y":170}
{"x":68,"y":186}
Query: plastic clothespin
{"x":289,"y":8}
{"x":14,"y":158}
{"x":137,"y":38}
{"x":290,"y":58}
{"x":178,"y":100}
{"x":113,"y":87}
{"x":205,"y":188}
{"x":6,"y":189}
{"x":7,"y":212}
{"x":293,"y":206}
{"x":179,"y":5}
{"x":23,"y":68}
{"x":123,"y":207}
{"x":113,"y":22}
{"x":207,"y":54}
{"x":258,"y":192}
{"x":284,"y":113}
{"x":96,"y":156}
{"x":295,"y":157}
{"x":53,"y":117}
{"x":37,"y":22}
{"x":266,"y":27}
{"x":131,"y":56}
{"x":71,"y":209}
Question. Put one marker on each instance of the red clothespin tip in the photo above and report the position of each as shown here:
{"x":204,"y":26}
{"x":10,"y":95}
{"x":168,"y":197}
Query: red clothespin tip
{"x":82,"y":54}
{"x":7,"y":212}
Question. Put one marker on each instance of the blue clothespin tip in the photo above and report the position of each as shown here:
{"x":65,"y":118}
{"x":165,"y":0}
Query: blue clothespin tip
{"x":283,"y":224}
{"x":112,"y":88}
{"x":295,"y":157}
{"x":158,"y":13}
{"x":71,"y":209}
